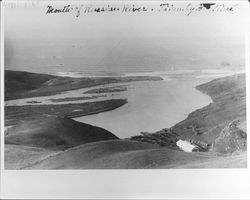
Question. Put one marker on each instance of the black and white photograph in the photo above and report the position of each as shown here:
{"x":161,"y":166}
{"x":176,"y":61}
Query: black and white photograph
{"x":124,"y":99}
{"x":124,"y":85}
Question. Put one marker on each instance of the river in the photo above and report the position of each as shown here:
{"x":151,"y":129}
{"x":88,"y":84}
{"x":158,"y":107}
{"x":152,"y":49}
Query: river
{"x":152,"y":105}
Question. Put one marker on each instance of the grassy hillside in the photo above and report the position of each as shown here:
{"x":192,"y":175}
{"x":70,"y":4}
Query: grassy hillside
{"x":228,"y":161}
{"x":117,"y":154}
{"x":55,"y":133}
{"x":51,"y":142}
{"x":229,"y":104}
{"x":25,"y":84}
{"x":16,"y":114}
{"x":17,"y":83}
{"x":125,"y":154}
{"x":220,"y":120}
{"x":19,"y":156}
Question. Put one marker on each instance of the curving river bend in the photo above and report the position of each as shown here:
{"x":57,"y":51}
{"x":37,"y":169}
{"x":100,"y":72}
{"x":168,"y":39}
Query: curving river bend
{"x":152,"y":105}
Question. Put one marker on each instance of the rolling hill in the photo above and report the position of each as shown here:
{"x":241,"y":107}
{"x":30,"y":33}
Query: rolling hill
{"x":58,"y":142}
{"x":125,"y":154}
{"x":54,"y":133}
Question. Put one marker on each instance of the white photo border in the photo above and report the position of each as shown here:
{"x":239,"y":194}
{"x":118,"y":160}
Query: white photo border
{"x":125,"y":184}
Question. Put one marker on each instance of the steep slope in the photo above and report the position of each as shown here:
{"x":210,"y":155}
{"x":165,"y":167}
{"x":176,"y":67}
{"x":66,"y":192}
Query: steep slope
{"x":231,"y":139}
{"x":55,"y":133}
{"x":229,"y":104}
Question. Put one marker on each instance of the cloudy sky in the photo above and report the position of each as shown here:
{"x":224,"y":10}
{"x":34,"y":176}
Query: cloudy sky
{"x":148,"y":41}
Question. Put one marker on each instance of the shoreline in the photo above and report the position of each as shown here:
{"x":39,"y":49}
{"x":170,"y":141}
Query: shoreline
{"x":167,"y":117}
{"x":204,"y":125}
{"x":14,"y":114}
{"x":198,"y":127}
{"x":72,"y":115}
{"x":82,"y":114}
{"x":48,"y":85}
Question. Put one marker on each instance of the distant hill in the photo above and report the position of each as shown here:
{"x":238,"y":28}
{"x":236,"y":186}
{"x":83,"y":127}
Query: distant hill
{"x":55,"y":133}
{"x":20,"y":84}
{"x":17,"y":83}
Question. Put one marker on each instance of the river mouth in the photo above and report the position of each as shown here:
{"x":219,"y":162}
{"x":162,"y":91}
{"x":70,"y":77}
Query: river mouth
{"x":152,"y":105}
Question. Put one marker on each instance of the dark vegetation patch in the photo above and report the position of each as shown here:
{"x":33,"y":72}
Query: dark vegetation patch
{"x":107,"y":90}
{"x":75,"y":98}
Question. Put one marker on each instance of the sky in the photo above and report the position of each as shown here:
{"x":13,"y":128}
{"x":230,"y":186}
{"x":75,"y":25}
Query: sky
{"x":122,"y":42}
